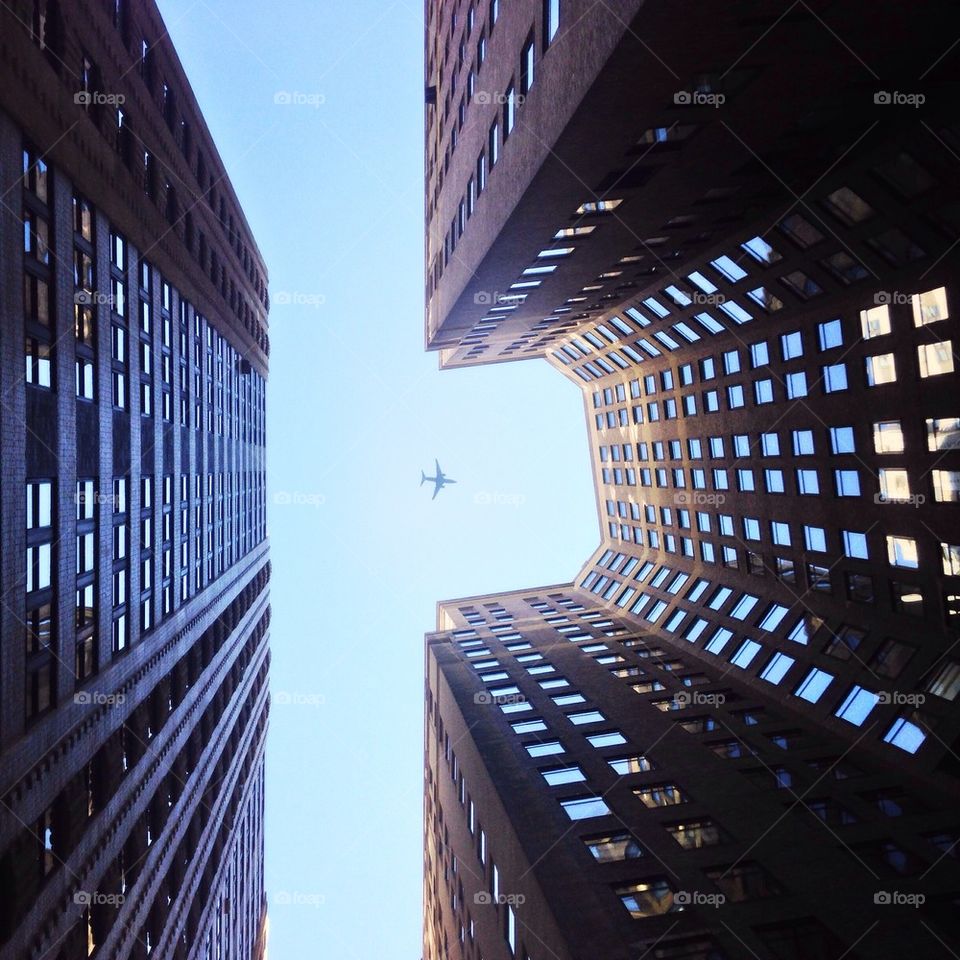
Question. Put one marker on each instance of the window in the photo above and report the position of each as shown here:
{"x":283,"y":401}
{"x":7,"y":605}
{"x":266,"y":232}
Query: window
{"x":902,"y":552}
{"x":609,"y":738}
{"x":857,"y":705}
{"x":551,"y":21}
{"x":905,"y":735}
{"x":929,"y":307}
{"x":830,"y":334}
{"x":547,"y":749}
{"x":881,"y":369}
{"x":612,"y":847}
{"x":587,"y":716}
{"x":527,"y":56}
{"x":583,"y":808}
{"x":493,"y":144}
{"x":648,"y":898}
{"x":695,"y":834}
{"x":743,"y":881}
{"x":660,"y":795}
{"x":945,"y":680}
{"x":813,"y":685}
{"x":628,"y":765}
{"x":562,"y":775}
{"x":935,"y":358}
{"x":888,"y":437}
{"x":777,"y":668}
{"x":847,"y":483}
{"x":875,"y":322}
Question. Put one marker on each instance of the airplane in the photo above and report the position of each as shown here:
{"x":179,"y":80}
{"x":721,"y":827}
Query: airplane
{"x":439,"y":481}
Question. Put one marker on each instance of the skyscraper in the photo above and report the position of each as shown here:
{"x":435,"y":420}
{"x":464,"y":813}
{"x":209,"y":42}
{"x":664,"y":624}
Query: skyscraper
{"x":734,"y":733}
{"x":134,"y":572}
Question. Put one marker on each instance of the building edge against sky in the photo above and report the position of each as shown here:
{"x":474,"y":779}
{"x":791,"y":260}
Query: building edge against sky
{"x":752,"y":280}
{"x":135,"y":573}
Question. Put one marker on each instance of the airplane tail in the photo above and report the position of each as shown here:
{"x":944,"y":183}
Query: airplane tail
{"x":423,"y":478}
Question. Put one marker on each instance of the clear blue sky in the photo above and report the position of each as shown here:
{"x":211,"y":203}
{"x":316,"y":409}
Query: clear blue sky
{"x":356,"y":409}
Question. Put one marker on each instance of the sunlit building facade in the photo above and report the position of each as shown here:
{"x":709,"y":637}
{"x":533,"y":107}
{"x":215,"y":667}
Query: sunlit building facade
{"x":134,"y":570}
{"x":742,"y":249}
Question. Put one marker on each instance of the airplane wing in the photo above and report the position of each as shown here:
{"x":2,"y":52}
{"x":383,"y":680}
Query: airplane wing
{"x":437,"y":486}
{"x":439,"y":473}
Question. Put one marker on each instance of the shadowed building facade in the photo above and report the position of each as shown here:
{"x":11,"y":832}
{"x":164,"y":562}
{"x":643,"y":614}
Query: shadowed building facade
{"x":739,"y":241}
{"x":133,"y":556}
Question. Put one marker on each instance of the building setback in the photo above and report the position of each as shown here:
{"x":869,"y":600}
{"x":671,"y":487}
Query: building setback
{"x":734,"y":733}
{"x":133,"y":556}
